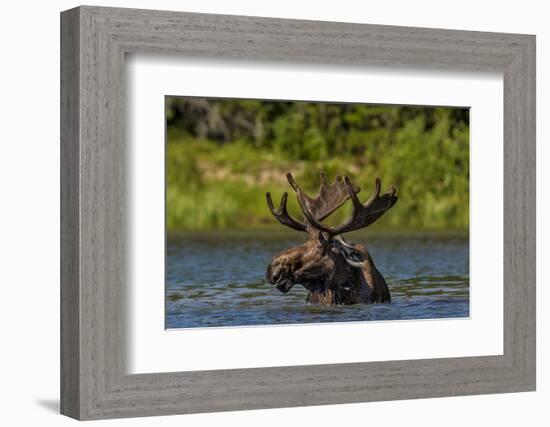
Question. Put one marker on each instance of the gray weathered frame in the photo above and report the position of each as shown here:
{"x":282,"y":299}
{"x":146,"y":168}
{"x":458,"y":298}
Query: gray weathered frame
{"x":94,"y":42}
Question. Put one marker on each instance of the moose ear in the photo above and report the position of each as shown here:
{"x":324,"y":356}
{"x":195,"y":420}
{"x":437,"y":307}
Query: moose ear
{"x":352,"y":256}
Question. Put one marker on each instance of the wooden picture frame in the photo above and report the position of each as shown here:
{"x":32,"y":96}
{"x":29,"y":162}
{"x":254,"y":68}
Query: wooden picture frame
{"x":94,"y":382}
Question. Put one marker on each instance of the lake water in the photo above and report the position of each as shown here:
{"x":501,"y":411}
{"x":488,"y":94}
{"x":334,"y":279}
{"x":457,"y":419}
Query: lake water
{"x":217,"y":279}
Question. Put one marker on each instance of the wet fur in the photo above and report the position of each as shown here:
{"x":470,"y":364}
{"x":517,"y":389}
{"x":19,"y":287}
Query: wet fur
{"x":322,"y":269}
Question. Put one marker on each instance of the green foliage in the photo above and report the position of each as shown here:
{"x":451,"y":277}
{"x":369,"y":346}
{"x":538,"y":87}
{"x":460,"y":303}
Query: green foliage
{"x":223,"y":155}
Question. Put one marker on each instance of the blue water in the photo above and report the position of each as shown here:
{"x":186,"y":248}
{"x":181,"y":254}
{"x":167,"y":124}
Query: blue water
{"x":217,"y":279}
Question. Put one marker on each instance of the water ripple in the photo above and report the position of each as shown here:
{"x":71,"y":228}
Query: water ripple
{"x":215,"y":281}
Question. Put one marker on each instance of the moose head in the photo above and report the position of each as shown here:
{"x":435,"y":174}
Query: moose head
{"x":331,"y":269}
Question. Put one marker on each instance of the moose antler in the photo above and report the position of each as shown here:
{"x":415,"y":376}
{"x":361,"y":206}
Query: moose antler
{"x":363,"y":214}
{"x":282,"y":214}
{"x":330,"y":197}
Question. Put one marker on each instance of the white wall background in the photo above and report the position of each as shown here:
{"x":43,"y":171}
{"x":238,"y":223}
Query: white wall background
{"x":29,"y":212}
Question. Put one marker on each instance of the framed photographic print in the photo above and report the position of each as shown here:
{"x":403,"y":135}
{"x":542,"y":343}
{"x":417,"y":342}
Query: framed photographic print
{"x":262,"y":213}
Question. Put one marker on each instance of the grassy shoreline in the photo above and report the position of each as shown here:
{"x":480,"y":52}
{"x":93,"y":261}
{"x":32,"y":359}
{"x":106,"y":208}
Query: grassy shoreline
{"x":278,"y":231}
{"x":223,"y":187}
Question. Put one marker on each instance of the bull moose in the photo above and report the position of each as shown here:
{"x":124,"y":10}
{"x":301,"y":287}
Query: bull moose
{"x":331,"y":269}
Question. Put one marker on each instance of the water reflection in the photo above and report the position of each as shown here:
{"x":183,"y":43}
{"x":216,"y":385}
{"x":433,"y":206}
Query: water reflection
{"x":217,"y":279}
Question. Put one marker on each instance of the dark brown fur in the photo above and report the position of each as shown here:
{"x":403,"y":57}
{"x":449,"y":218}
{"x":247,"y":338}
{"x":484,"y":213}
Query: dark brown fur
{"x":322,"y":269}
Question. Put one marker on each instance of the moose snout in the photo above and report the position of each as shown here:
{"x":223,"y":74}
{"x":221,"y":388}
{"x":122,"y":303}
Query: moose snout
{"x":278,"y":275}
{"x":269,"y":274}
{"x":273,"y":274}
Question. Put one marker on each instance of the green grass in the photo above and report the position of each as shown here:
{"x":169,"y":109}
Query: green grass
{"x":215,"y":186}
